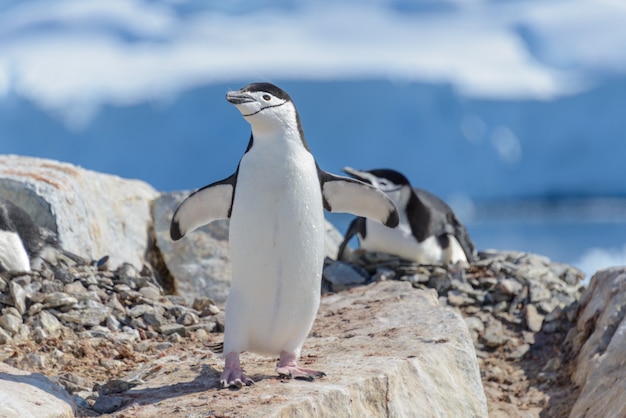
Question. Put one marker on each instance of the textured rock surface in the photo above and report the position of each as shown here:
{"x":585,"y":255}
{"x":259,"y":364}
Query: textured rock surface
{"x":200,"y":262}
{"x":93,"y":214}
{"x":388,"y":350}
{"x":600,"y":341}
{"x":32,"y":395}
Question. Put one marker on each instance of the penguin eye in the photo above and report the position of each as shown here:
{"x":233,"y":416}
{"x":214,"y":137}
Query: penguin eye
{"x":267,"y":97}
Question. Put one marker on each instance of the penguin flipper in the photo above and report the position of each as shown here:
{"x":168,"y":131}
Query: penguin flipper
{"x":203,"y":206}
{"x":343,"y":194}
{"x":357,"y":226}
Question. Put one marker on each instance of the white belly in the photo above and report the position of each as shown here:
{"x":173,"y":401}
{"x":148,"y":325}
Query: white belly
{"x":277,"y":252}
{"x":399,"y":241}
{"x":13,"y":256}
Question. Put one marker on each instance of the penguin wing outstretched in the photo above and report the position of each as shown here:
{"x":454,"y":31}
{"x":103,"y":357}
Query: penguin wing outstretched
{"x":343,"y":194}
{"x":203,"y":206}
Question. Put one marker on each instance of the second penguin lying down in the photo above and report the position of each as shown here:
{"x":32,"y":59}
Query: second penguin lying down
{"x":428,"y":233}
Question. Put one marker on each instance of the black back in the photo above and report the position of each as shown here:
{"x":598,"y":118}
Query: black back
{"x":15,"y":219}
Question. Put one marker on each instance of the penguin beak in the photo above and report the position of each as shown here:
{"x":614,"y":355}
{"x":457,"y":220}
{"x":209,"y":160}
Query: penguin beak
{"x":359,"y":175}
{"x":238,"y":97}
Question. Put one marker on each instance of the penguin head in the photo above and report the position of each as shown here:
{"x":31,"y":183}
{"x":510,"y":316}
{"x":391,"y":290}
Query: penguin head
{"x":264,"y":105}
{"x":393,"y":183}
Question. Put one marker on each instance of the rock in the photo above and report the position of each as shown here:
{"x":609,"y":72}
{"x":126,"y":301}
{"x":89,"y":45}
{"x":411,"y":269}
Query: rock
{"x":387,"y":349}
{"x":534,"y":320}
{"x":19,"y":296}
{"x":24,"y":394}
{"x":48,"y":323}
{"x":11,"y":323}
{"x":599,"y":338}
{"x":200,"y":262}
{"x":87,"y":210}
{"x":342,"y":275}
{"x":494,"y":334}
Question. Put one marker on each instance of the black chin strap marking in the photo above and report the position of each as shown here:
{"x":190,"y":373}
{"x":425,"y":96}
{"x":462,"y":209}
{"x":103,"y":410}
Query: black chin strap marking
{"x":263,"y":108}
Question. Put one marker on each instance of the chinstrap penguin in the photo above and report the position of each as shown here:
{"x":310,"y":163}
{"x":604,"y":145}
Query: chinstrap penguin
{"x":23,"y":244}
{"x":428,"y":233}
{"x":275,"y":201}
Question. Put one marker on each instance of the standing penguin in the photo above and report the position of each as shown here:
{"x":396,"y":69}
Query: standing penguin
{"x":428,"y":233}
{"x":275,"y":201}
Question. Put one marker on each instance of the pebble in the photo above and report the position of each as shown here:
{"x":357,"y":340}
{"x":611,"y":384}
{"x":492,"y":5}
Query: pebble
{"x":19,"y":296}
{"x":493,"y":335}
{"x":534,"y":320}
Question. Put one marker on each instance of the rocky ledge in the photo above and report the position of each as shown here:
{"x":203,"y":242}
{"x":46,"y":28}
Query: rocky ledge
{"x":116,"y":342}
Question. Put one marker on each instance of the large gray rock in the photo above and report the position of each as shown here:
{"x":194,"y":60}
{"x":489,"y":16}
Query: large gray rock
{"x":32,"y":395}
{"x":600,"y":341}
{"x":200,"y":262}
{"x":93,"y":214}
{"x":388,"y":350}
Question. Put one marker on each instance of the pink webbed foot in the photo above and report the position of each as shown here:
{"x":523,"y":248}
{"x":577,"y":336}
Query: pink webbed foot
{"x":288,"y":368}
{"x":233,"y":375}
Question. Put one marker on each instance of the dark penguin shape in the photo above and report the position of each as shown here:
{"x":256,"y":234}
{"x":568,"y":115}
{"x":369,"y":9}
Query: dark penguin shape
{"x":20,"y":238}
{"x":428,"y":233}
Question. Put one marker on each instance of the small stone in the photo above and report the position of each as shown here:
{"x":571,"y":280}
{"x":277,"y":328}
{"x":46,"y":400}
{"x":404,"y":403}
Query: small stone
{"x":201,"y":335}
{"x":164,"y":345}
{"x":175,"y":338}
{"x":112,"y":323}
{"x":74,"y":383}
{"x":474,"y":324}
{"x":154,"y":319}
{"x":150,"y":292}
{"x":188,"y":318}
{"x":343,"y":275}
{"x":519,"y":352}
{"x":10,"y":323}
{"x":34,"y":309}
{"x":86,"y":317}
{"x":19,"y":296}
{"x":210,"y":311}
{"x":509,"y":287}
{"x":534,"y":320}
{"x":140,"y":310}
{"x":39,"y":335}
{"x":538,"y":293}
{"x":74,"y":288}
{"x":5,"y":337}
{"x":383,"y":273}
{"x":201,"y":303}
{"x":12,"y":311}
{"x":116,"y":305}
{"x":456,"y":298}
{"x":59,"y":299}
{"x":169,"y":329}
{"x":493,"y":335}
{"x":48,"y":322}
{"x":107,"y":404}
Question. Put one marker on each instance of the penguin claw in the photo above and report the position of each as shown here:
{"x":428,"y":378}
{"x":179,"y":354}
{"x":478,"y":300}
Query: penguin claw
{"x":295,"y":372}
{"x":236,"y":383}
{"x":233,"y":376}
